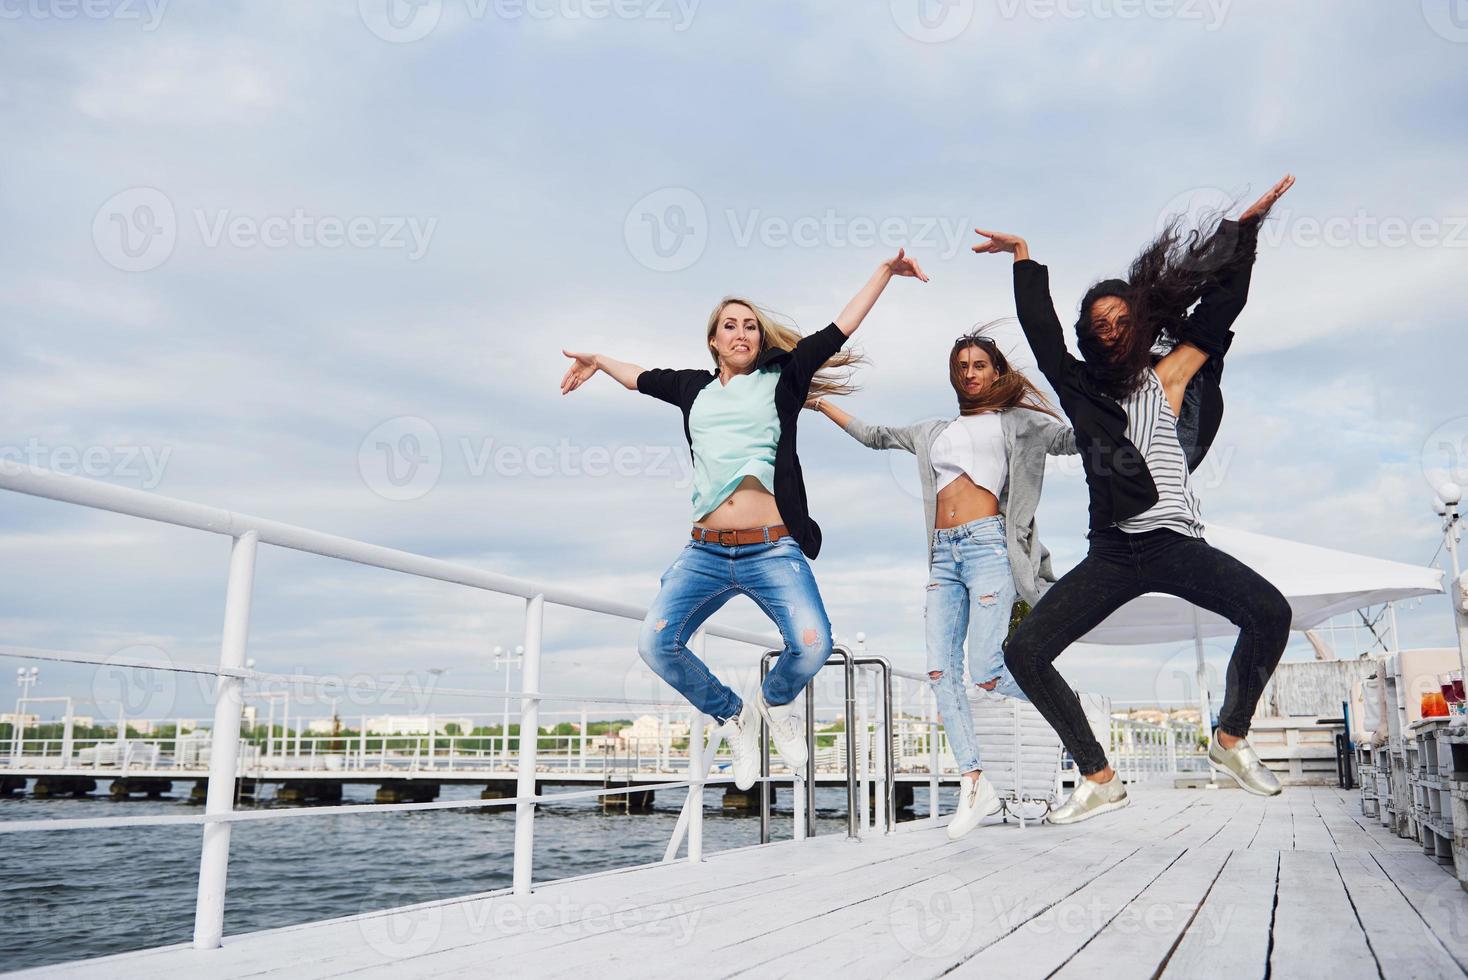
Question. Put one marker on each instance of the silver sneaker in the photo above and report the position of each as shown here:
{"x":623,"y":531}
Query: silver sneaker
{"x":1090,"y":799}
{"x":1241,"y":763}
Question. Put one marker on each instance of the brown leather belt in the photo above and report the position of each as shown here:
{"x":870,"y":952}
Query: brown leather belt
{"x":753,"y":535}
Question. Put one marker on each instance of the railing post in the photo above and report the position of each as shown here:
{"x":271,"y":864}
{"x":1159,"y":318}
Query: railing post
{"x":766,"y":788}
{"x":585,"y":738}
{"x":529,"y":739}
{"x":809,"y":785}
{"x":853,"y":817}
{"x":934,"y":757}
{"x":864,"y":752}
{"x":889,"y":769}
{"x":698,"y":767}
{"x":224,"y":744}
{"x":66,"y":739}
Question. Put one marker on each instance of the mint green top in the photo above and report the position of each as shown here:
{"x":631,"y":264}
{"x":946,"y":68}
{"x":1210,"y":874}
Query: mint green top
{"x":734,"y":430}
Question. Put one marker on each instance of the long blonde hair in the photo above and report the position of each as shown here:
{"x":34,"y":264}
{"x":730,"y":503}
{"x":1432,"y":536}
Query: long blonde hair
{"x":832,"y":379}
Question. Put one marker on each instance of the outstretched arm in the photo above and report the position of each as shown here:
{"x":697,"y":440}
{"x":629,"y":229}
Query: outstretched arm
{"x":1207,"y":331}
{"x":813,"y":351}
{"x":1060,"y":440}
{"x":1032,"y":303}
{"x":861,"y":304}
{"x":585,"y":365}
{"x":871,"y":436}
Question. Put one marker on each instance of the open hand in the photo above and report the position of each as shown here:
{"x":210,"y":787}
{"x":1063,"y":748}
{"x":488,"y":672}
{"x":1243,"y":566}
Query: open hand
{"x":998,"y":241}
{"x":584,"y":367}
{"x":1260,"y":207}
{"x":902,"y":265}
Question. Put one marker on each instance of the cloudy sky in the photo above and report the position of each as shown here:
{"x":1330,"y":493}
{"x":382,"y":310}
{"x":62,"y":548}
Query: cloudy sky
{"x":317,"y":262}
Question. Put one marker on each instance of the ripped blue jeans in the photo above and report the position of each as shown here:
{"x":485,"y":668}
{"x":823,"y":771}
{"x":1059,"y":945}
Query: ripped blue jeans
{"x":970,"y":594}
{"x":704,"y":577}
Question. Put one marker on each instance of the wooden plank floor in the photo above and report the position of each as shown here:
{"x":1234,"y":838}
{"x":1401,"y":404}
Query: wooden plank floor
{"x":1183,"y":883}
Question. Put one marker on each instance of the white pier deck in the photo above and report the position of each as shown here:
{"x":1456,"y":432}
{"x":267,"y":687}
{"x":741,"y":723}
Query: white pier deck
{"x":1183,"y":883}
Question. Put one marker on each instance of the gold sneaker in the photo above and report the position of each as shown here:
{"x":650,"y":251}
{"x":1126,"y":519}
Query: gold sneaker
{"x":1090,"y":799}
{"x":1241,"y":763}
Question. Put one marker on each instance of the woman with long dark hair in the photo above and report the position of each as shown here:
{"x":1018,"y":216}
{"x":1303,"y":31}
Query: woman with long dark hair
{"x":752,"y":533}
{"x":1143,"y":422}
{"x":981,"y":473}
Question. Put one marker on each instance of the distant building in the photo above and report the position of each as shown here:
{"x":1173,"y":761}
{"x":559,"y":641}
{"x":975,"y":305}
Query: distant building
{"x":414,"y":725}
{"x":26,"y":721}
{"x":148,"y":726}
{"x":649,"y":728}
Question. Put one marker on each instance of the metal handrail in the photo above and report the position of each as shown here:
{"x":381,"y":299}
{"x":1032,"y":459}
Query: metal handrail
{"x":807,"y":827}
{"x":247,"y":533}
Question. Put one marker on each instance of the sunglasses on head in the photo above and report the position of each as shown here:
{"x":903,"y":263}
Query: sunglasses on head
{"x":970,"y":339}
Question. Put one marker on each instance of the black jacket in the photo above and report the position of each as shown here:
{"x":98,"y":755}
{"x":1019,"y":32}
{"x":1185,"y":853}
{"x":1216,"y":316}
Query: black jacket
{"x":797,"y":368}
{"x":1121,"y":487}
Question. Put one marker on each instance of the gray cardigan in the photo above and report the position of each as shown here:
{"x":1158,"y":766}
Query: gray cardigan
{"x":1029,"y":437}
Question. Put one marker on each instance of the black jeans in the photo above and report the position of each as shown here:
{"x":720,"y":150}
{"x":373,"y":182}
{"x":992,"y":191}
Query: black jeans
{"x":1118,"y":568}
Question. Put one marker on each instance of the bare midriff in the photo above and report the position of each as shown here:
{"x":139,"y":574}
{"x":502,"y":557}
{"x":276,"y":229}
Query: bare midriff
{"x":750,"y":505}
{"x":962,"y":501}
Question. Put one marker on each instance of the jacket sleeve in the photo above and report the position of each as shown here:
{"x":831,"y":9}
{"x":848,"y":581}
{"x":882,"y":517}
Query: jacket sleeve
{"x":1038,"y":320}
{"x":882,"y":436}
{"x":1059,"y":440}
{"x":670,"y":385}
{"x":1223,"y":299}
{"x":811,"y":354}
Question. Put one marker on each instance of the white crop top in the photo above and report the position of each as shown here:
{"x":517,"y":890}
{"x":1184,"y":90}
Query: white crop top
{"x":972,"y":444}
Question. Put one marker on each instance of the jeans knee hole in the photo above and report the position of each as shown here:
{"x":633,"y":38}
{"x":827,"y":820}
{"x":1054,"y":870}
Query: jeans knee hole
{"x":935,"y":675}
{"x":988,"y":600}
{"x":811,"y":637}
{"x":660,"y":625}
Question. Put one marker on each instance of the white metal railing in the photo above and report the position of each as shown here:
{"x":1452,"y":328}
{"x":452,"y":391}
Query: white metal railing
{"x":247,"y":534}
{"x":1141,"y":750}
{"x":227,"y":759}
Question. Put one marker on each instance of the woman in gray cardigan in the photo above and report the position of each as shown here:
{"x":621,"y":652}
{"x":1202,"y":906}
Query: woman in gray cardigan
{"x":981,"y":475}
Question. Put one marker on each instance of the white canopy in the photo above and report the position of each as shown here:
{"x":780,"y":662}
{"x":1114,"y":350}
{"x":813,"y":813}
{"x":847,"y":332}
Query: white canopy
{"x":1318,"y":582}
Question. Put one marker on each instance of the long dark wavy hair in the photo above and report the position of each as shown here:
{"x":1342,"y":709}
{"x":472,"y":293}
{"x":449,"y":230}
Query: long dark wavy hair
{"x":1163,"y":283}
{"x":1009,"y":389}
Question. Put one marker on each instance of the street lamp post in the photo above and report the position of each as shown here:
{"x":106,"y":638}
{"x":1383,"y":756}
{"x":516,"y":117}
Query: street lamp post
{"x":26,"y":678}
{"x":1448,"y":496}
{"x":510,"y":661}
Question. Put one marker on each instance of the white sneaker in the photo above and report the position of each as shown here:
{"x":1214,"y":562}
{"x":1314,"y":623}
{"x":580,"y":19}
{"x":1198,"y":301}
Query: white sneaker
{"x":788,"y":730}
{"x":976,"y":800}
{"x":742,"y":734}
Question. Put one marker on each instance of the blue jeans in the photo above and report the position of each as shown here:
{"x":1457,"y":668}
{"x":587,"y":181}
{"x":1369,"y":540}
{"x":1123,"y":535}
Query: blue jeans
{"x":970,"y":593}
{"x":705,"y":576}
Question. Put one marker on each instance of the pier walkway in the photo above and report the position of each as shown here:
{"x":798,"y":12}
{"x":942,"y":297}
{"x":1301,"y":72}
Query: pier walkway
{"x":1183,"y":883}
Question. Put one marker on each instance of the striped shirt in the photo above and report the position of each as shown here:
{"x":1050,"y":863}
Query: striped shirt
{"x":1151,"y":426}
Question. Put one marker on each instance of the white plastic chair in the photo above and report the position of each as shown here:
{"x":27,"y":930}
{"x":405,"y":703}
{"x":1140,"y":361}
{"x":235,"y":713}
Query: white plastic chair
{"x":1020,"y":751}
